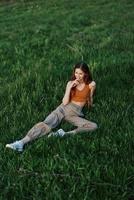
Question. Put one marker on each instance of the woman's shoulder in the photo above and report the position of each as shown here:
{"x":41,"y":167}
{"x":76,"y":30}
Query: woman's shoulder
{"x":92,"y":84}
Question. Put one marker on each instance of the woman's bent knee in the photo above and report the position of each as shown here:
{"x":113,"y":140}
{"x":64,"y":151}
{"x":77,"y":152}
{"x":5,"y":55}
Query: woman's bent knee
{"x":43,"y":126}
{"x":38,"y":130}
{"x":91,"y":126}
{"x":40,"y":125}
{"x":95,"y":126}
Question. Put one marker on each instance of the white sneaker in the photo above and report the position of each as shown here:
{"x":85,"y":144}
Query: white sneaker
{"x":17,"y":145}
{"x":60,"y":132}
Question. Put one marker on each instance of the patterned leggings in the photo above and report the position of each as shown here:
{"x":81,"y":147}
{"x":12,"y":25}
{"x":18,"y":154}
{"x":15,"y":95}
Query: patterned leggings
{"x":71,"y":112}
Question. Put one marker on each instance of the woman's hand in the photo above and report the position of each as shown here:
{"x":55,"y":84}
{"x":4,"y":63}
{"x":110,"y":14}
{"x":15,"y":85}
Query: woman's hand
{"x":92,"y":87}
{"x":72,"y":84}
{"x":69,"y":86}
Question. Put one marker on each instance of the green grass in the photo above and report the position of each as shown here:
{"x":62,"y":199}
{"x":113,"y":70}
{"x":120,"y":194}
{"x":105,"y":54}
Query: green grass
{"x":40,"y":41}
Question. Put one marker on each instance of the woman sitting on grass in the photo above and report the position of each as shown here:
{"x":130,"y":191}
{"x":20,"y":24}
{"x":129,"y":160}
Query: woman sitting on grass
{"x":79,"y":92}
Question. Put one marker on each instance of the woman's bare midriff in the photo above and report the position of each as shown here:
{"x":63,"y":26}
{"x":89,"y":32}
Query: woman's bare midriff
{"x":79,"y":103}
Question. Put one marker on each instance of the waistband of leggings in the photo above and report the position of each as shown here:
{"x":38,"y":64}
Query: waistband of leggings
{"x":76,"y":106}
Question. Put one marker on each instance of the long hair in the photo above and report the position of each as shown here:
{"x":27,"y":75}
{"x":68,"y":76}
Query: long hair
{"x":87,"y":77}
{"x":87,"y":74}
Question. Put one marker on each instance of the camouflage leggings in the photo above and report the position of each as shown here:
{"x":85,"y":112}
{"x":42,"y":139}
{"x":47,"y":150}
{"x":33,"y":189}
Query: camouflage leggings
{"x":71,"y":112}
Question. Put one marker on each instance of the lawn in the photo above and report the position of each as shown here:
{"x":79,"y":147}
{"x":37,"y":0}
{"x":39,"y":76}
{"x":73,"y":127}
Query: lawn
{"x":40,"y":41}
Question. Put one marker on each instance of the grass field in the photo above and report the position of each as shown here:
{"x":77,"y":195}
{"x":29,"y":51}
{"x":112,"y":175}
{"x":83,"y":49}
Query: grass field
{"x":40,"y":41}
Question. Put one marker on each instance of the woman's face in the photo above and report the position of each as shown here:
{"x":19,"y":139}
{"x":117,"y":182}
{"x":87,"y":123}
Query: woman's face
{"x":79,"y":74}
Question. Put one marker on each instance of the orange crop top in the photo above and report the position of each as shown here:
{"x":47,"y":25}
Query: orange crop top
{"x":80,"y":95}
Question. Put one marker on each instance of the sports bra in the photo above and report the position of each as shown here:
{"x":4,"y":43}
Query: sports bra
{"x":80,"y":95}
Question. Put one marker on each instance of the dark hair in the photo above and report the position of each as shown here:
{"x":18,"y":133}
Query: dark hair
{"x":84,"y":67}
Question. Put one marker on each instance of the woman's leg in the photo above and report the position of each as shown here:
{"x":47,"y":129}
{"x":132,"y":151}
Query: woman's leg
{"x":43,"y":128}
{"x":36,"y":131}
{"x":39,"y":129}
{"x":82,"y":124}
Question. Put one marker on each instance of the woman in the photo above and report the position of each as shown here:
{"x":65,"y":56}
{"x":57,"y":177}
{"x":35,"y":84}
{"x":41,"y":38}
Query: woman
{"x":79,"y":92}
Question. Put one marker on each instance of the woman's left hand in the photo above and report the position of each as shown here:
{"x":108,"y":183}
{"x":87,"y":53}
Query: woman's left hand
{"x":92,"y":85}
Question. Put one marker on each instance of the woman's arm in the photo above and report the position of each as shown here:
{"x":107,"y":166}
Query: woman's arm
{"x":69,"y":86}
{"x":92,"y":87}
